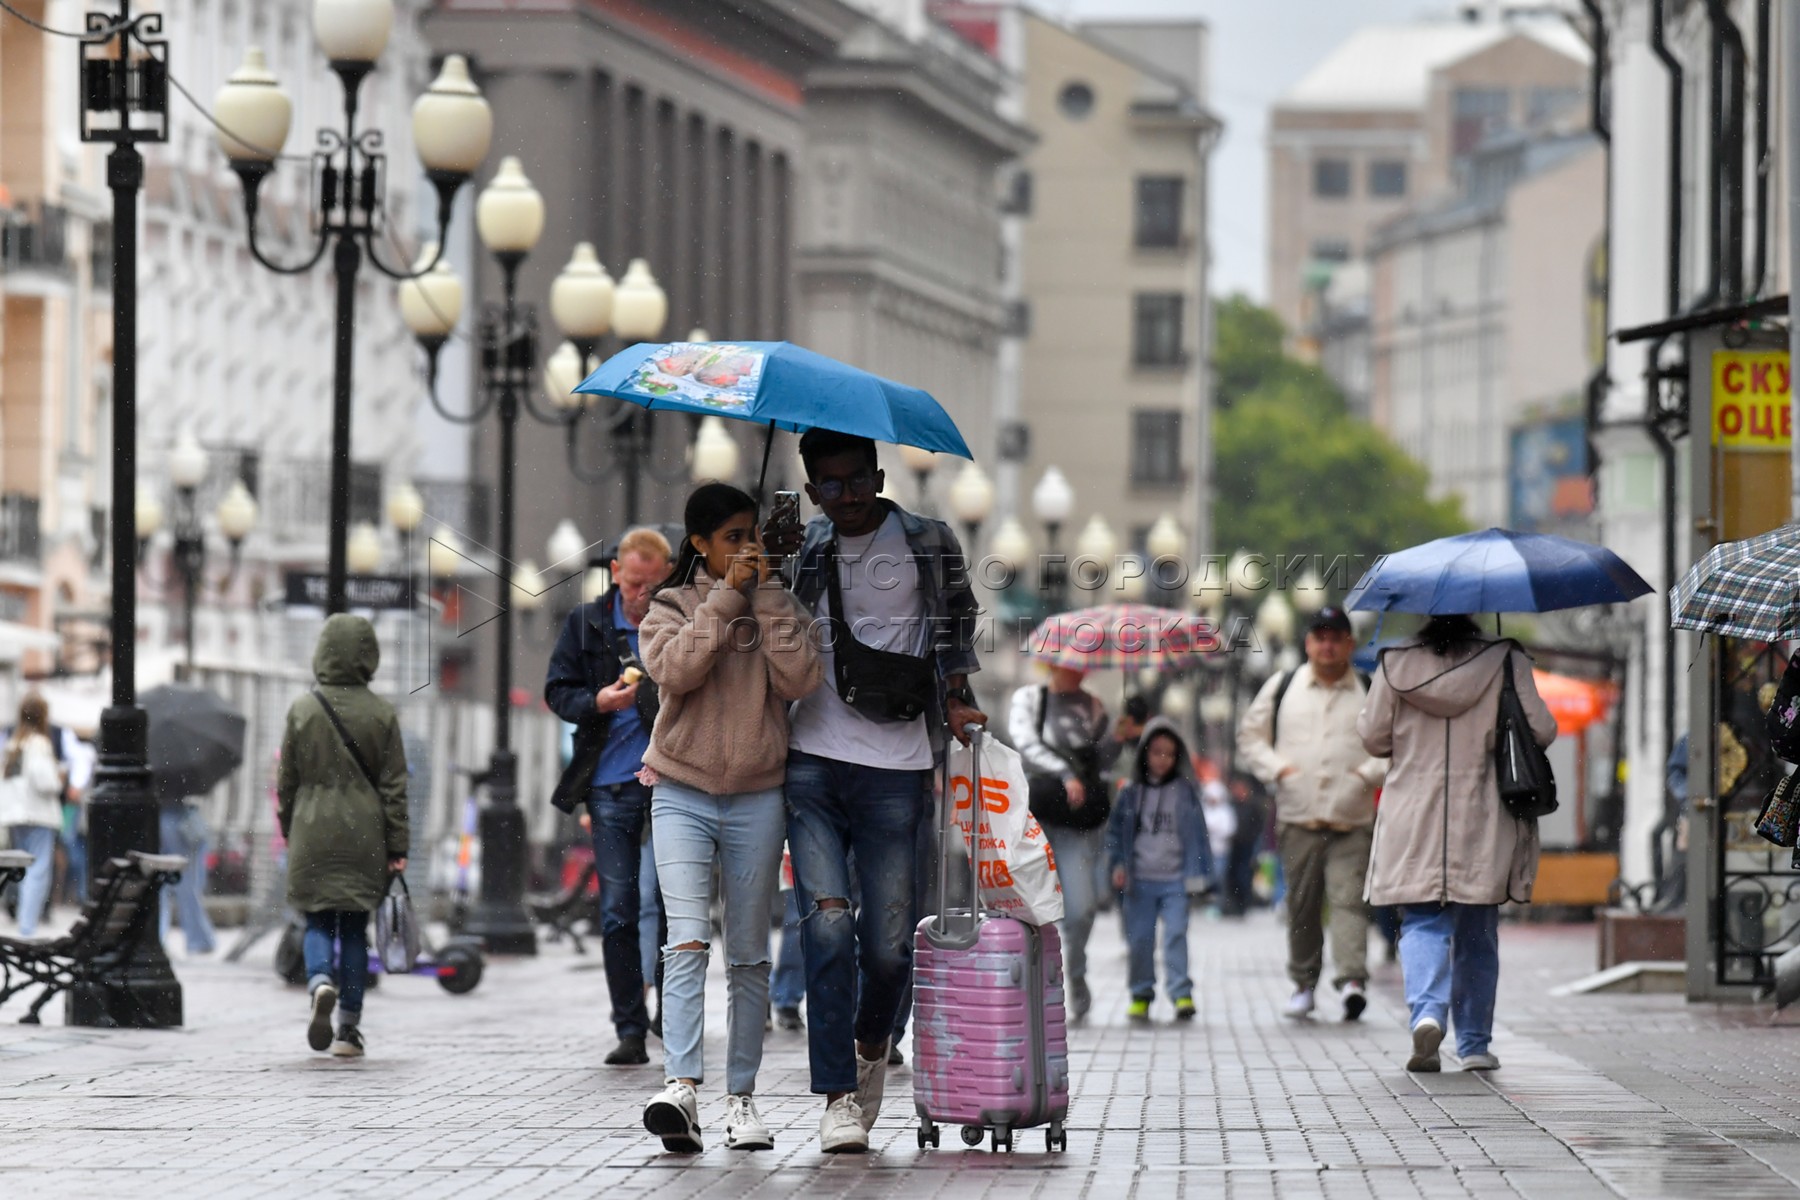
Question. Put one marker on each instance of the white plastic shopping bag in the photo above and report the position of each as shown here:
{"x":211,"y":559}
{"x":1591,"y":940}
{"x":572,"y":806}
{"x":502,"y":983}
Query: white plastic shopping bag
{"x":1017,"y":868}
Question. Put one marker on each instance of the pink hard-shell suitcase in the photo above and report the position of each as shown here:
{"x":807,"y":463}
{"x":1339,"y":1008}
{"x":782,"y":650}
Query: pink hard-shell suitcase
{"x":990,"y":1034}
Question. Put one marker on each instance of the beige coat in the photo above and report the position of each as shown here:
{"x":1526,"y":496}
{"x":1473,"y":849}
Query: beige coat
{"x":1336,"y":780}
{"x":1442,"y":836}
{"x":726,"y":667}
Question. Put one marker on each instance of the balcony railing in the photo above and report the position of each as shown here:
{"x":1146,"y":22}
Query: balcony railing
{"x":295,"y":495}
{"x":35,"y":237}
{"x":20,"y":538}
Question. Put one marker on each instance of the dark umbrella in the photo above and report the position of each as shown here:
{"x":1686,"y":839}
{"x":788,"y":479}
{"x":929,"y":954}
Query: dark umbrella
{"x":196,"y":740}
{"x":1497,"y":571}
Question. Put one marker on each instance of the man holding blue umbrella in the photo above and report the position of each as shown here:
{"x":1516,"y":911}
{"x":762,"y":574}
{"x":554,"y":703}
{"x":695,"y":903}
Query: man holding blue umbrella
{"x":894,"y":592}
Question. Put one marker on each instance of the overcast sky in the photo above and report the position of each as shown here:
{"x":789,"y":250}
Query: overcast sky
{"x":1258,"y":49}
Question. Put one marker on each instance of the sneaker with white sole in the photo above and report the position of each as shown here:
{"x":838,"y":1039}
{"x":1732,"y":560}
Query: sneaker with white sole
{"x":673,"y":1115}
{"x":1299,"y":1005}
{"x":1427,"y":1036}
{"x":1480,"y":1062}
{"x":871,"y":1085}
{"x":841,"y":1129}
{"x":1355,"y":998}
{"x":324,"y":1004}
{"x":349,"y":1043}
{"x":744,"y":1128}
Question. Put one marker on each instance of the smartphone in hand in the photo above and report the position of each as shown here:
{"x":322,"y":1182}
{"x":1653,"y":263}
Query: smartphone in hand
{"x":783,"y":533}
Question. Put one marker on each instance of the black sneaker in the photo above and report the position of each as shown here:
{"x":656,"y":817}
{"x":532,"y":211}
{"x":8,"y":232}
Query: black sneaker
{"x":630,"y":1053}
{"x":1356,"y":999}
{"x":895,"y":1058}
{"x":789,"y":1019}
{"x":349,"y":1043}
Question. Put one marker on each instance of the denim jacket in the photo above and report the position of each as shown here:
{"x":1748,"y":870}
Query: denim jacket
{"x":951,"y":610}
{"x":1122,"y":829}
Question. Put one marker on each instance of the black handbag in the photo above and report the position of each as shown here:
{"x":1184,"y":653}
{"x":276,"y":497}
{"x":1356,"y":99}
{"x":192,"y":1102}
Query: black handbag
{"x":879,"y":684}
{"x":1527,"y":784}
{"x":1783,"y":716}
{"x":1049,"y":795}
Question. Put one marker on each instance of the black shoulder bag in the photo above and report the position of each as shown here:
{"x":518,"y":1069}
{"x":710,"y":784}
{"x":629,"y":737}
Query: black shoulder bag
{"x":1783,"y":716}
{"x":1527,"y":785}
{"x":349,"y":743}
{"x":879,"y":684}
{"x":1049,"y":796}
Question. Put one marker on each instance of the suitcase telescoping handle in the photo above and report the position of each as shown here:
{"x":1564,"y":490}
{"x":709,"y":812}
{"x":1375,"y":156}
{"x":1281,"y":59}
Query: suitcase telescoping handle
{"x":949,"y":836}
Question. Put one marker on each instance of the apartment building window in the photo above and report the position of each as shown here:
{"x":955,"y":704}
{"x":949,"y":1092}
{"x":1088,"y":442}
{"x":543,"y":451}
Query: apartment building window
{"x":1387,"y":177}
{"x":1076,"y":100}
{"x":1331,"y":177}
{"x":1544,"y":104}
{"x":1018,"y":195}
{"x":1155,"y":448}
{"x":1156,"y":340}
{"x":1331,"y":250}
{"x":1478,"y":114}
{"x":1159,"y":211}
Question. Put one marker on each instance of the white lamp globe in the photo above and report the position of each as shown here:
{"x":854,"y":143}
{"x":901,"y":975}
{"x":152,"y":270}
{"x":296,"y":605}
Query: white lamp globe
{"x":640,"y":309}
{"x":509,"y":214}
{"x":581,"y":296}
{"x":1164,"y":539}
{"x":431,"y":303}
{"x":562,"y":375}
{"x":362,"y":552}
{"x":595,"y":584}
{"x":1011,"y":545}
{"x":1275,"y":618}
{"x":353,"y":31}
{"x":1097,"y":540}
{"x":715,"y":453}
{"x":527,"y":587}
{"x":237,"y":512}
{"x":1052,"y":498}
{"x":972,"y":495}
{"x":1132,"y":587}
{"x":147,"y":513}
{"x":405,"y":507}
{"x":444,"y":557}
{"x":252,"y":111}
{"x":452,"y":123}
{"x":187,"y":462}
{"x":565,"y":547}
{"x":917,"y":459}
{"x":697,"y":334}
{"x":1245,"y":575}
{"x":1309,"y":592}
{"x":1178,"y":701}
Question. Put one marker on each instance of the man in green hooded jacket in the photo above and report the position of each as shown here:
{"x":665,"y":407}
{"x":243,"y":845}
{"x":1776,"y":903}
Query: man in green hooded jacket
{"x":341,"y":788}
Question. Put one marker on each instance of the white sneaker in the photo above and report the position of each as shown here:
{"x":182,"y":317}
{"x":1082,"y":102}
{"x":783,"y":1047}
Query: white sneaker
{"x":1480,"y":1062}
{"x":673,"y":1115}
{"x":841,"y":1128}
{"x":871,"y":1085}
{"x":324,"y":1003}
{"x":1427,"y":1036}
{"x":744,"y":1128}
{"x":1299,"y":1005}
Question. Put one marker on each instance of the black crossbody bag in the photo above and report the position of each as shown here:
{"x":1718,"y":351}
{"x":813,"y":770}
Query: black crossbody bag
{"x":879,"y":684}
{"x":349,"y":743}
{"x":1521,"y":767}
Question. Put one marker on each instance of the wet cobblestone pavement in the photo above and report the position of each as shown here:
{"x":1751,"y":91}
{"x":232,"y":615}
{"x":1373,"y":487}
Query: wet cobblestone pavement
{"x":501,"y":1093}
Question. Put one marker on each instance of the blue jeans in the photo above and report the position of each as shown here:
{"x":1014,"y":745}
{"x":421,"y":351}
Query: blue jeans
{"x":350,"y":931}
{"x":184,"y":833}
{"x":1078,"y":854}
{"x":857,"y":963}
{"x":1450,"y":959}
{"x":650,"y":913}
{"x":39,"y":841}
{"x":1145,"y":902}
{"x":618,"y":815}
{"x":788,"y":988}
{"x":740,"y":834}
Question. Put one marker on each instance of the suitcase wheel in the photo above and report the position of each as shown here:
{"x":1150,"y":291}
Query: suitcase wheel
{"x":928,"y":1134}
{"x":1056,"y":1137}
{"x":972,"y":1134}
{"x":1003,"y":1140}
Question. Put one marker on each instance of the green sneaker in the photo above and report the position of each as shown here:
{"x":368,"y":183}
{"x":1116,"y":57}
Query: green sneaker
{"x":1184,"y":1009}
{"x":1140,"y":1008}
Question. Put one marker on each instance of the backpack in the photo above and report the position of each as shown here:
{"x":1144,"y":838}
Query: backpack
{"x":1287,"y":680}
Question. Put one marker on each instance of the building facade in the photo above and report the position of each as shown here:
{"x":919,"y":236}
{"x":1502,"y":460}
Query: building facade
{"x":1116,"y":309}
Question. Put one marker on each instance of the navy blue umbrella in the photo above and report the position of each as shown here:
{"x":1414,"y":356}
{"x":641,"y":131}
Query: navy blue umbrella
{"x":1497,"y":571}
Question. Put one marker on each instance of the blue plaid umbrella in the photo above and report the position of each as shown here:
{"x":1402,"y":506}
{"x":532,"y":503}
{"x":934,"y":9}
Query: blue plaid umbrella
{"x":1748,"y":589}
{"x":1496,"y":571}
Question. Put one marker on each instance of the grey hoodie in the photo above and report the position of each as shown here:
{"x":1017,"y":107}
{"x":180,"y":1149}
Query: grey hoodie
{"x":1442,"y":835}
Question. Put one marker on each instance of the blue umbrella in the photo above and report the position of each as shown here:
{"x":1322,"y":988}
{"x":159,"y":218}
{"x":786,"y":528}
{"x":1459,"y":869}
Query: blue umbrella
{"x":777,"y":384}
{"x":1497,"y":571}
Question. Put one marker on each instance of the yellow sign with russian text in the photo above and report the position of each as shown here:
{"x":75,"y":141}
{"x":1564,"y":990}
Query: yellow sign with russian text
{"x":1751,"y":400}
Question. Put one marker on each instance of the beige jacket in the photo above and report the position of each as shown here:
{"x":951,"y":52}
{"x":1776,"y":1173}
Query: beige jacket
{"x":1443,"y":836}
{"x":1337,"y":778}
{"x":727,"y":666}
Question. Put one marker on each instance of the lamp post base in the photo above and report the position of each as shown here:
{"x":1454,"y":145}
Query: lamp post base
{"x":137,"y":988}
{"x":499,"y":918}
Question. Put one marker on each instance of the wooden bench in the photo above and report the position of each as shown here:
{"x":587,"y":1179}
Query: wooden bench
{"x":111,"y":923}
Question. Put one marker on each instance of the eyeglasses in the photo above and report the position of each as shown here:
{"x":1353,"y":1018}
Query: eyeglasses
{"x":862,"y":484}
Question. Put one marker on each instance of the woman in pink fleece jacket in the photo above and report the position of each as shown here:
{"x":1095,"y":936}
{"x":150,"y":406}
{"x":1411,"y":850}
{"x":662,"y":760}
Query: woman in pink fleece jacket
{"x":729,"y":648}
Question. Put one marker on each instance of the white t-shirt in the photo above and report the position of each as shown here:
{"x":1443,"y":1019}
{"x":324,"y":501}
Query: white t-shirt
{"x":885,"y":607}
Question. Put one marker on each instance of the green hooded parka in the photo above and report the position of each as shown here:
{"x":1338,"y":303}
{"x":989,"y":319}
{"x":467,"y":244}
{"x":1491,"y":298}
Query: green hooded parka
{"x":340,"y":832}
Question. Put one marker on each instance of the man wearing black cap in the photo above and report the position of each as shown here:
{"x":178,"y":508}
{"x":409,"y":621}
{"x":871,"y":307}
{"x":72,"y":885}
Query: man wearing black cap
{"x":1299,"y":737}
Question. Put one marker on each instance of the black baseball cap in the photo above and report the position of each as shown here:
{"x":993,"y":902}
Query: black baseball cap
{"x":1330,"y":617}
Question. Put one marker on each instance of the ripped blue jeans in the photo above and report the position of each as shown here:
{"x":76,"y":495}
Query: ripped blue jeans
{"x":858,"y":960}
